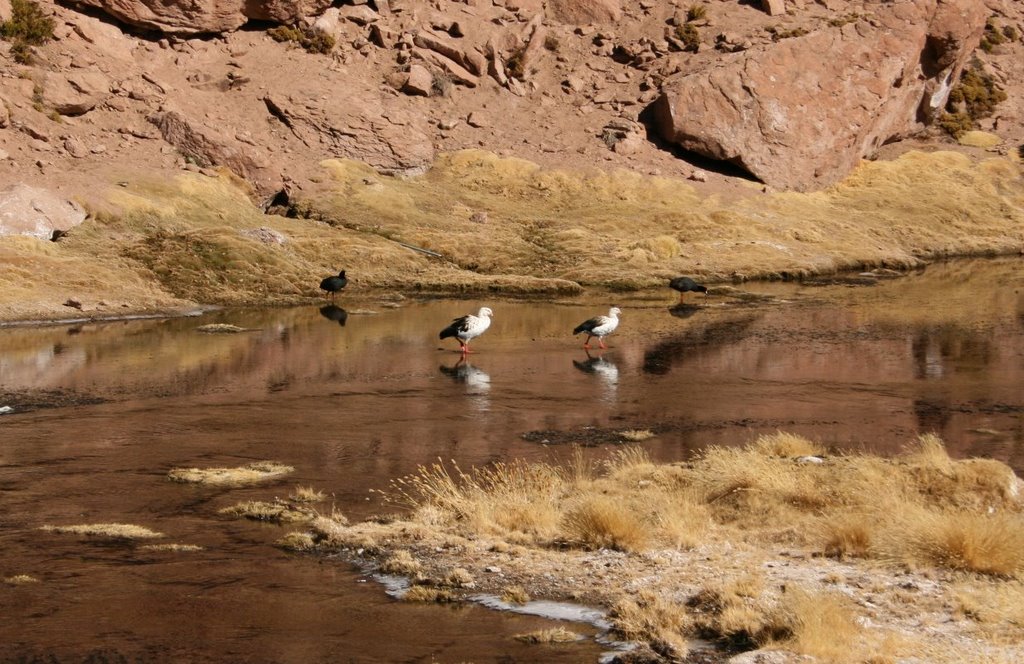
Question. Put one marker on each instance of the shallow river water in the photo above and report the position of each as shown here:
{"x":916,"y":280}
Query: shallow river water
{"x":100,"y":412}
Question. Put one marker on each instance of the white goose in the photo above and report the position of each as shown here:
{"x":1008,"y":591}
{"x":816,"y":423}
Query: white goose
{"x":599,"y":326}
{"x":468,"y":327}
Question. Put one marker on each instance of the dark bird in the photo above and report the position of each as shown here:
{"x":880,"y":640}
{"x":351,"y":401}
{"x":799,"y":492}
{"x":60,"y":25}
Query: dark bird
{"x":468,"y":327}
{"x":599,"y":326}
{"x":685,"y":285}
{"x":334,"y":284}
{"x":335,"y":313}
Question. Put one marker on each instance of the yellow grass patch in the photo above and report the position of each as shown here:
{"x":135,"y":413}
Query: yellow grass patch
{"x":782,"y":444}
{"x":252,"y":473}
{"x":598,"y":522}
{"x":110,"y":530}
{"x":429,"y":594}
{"x":459,"y":578}
{"x":636,"y":435}
{"x":20,"y":579}
{"x":554,"y":635}
{"x":177,"y":548}
{"x":278,"y":511}
{"x":986,"y":544}
{"x":996,"y":607}
{"x":307,"y":494}
{"x":515,"y":595}
{"x":401,"y":563}
{"x":220,"y":328}
{"x":727,"y":547}
{"x":922,"y":507}
{"x":164,"y":245}
{"x":651,"y":618}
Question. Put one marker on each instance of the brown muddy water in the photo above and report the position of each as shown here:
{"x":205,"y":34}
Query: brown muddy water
{"x":100,"y":412}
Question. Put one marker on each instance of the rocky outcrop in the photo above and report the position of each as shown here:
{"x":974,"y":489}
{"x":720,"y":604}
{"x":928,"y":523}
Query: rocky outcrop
{"x":206,"y":147}
{"x":205,"y":16}
{"x":387,"y":138}
{"x":26,"y":210}
{"x":76,"y":93}
{"x":801,"y":112}
{"x":580,"y":12}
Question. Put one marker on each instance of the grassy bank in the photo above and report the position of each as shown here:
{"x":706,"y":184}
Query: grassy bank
{"x":775,"y":545}
{"x":494,"y":224}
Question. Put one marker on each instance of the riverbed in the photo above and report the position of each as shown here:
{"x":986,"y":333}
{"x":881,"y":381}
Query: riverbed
{"x":357,"y":393}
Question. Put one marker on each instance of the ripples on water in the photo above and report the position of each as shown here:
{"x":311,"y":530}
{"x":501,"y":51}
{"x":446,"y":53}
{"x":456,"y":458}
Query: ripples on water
{"x":356,"y":396}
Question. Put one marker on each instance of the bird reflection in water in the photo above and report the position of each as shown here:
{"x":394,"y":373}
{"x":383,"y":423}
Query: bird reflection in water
{"x":476,"y":380}
{"x":684,"y":310}
{"x":604,"y":369}
{"x":335,"y":313}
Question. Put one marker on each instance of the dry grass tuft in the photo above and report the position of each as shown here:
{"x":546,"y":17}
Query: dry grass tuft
{"x":848,"y":535}
{"x":401,"y":563}
{"x":997,"y":607}
{"x":985,"y":544}
{"x":603,"y":522}
{"x":177,"y":548}
{"x":822,"y":625}
{"x":515,"y":595}
{"x":278,"y":511}
{"x":111,"y":530}
{"x":328,"y":531}
{"x":788,"y":445}
{"x":651,"y":618}
{"x":429,"y":594}
{"x":307,"y":494}
{"x":517,"y":497}
{"x":459,"y":578}
{"x":739,"y":615}
{"x":636,"y":435}
{"x":554,"y":635}
{"x":20,"y":579}
{"x":252,"y":473}
{"x":298,"y":541}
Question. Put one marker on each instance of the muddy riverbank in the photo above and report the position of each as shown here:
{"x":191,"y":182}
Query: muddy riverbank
{"x":478,"y":224}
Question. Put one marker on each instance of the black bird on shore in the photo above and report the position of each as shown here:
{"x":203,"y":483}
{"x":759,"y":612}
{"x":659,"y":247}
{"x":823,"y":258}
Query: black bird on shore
{"x":334,"y":284}
{"x":685,"y":285}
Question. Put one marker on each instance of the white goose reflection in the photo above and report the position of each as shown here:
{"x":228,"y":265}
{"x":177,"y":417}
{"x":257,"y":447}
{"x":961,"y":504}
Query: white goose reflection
{"x":476,"y":380}
{"x":604,"y":369}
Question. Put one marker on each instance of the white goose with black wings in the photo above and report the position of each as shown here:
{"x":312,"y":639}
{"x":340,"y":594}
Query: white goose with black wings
{"x":468,"y":327}
{"x":599,"y":326}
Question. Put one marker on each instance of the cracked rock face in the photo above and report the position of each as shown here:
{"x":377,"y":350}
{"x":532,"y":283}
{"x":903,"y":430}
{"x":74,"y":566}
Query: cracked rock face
{"x":801,"y":112}
{"x":205,"y":16}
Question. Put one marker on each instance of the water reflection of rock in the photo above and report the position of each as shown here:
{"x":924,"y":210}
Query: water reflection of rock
{"x":660,"y":358}
{"x":335,"y":313}
{"x":604,"y":369}
{"x":937,"y":350}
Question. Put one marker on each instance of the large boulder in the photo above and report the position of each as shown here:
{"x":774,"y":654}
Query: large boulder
{"x":801,"y":112}
{"x":76,"y":92}
{"x":26,"y":210}
{"x":205,"y":16}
